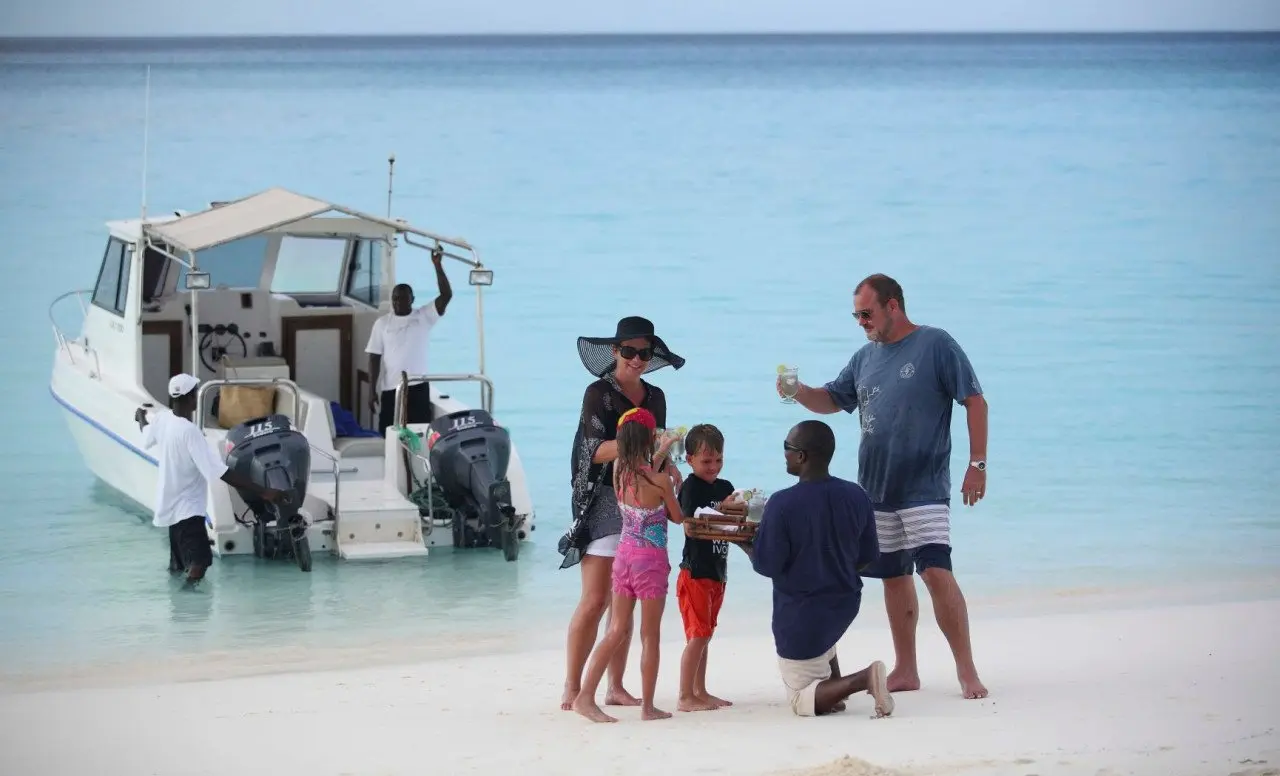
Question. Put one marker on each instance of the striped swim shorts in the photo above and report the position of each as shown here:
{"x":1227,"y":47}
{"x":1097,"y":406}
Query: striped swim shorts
{"x":907,"y":529}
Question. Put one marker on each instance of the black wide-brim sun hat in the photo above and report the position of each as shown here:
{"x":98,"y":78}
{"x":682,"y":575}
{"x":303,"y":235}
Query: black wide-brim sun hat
{"x":597,"y":352}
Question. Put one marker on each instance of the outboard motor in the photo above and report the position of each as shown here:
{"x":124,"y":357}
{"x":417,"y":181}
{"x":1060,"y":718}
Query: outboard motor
{"x":268,"y":451}
{"x":469,"y":455}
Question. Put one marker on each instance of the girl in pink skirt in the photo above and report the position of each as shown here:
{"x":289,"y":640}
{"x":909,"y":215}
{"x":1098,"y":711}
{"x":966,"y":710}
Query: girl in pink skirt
{"x":641,"y":569}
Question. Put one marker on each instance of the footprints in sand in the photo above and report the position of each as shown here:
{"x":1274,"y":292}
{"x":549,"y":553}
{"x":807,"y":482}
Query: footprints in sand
{"x":1256,"y":768}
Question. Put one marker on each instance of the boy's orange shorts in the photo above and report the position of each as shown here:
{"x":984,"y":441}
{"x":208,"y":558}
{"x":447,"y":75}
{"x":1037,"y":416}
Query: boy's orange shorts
{"x":699,"y":601}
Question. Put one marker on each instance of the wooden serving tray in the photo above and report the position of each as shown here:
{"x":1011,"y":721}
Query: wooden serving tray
{"x":721,"y":528}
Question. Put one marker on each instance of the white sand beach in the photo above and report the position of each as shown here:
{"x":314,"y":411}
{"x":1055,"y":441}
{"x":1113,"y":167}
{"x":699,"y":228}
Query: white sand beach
{"x":1188,"y":689}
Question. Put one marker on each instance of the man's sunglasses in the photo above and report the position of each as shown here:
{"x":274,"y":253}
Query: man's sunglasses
{"x":862,"y":315}
{"x":628,"y":352}
{"x":788,"y":446}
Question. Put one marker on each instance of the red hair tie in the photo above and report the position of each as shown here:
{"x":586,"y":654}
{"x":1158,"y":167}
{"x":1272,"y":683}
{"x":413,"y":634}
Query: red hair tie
{"x":639,"y":415}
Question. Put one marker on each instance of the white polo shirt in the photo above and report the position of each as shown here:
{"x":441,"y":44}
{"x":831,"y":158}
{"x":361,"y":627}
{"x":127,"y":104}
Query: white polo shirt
{"x":401,"y":340}
{"x":188,"y":464}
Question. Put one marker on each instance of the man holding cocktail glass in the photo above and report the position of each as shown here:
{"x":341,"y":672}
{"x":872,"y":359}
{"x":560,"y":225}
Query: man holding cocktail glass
{"x":902,"y":383}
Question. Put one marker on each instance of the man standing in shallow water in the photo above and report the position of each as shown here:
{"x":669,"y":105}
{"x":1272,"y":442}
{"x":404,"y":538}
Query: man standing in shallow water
{"x":902,"y":384}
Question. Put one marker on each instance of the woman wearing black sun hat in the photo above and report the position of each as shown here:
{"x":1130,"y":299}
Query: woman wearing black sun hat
{"x":618,"y":363}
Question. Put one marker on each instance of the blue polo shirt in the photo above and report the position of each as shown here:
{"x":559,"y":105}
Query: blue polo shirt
{"x":813,"y":538}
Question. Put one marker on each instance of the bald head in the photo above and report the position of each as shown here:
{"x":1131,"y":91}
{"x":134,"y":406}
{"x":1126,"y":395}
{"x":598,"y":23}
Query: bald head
{"x":815,"y":438}
{"x":809,"y":448}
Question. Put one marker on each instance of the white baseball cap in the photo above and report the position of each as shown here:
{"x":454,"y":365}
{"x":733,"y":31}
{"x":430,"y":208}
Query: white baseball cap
{"x":181,"y":385}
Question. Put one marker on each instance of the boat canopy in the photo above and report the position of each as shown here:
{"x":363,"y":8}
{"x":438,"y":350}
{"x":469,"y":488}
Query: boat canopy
{"x":266,"y":211}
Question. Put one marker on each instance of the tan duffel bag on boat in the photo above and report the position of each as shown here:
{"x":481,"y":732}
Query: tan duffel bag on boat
{"x":238,"y":403}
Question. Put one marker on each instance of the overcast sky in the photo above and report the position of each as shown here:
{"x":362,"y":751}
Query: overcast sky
{"x":355,"y":17}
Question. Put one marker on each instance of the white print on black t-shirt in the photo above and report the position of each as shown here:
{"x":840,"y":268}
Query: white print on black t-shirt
{"x":719,"y":546}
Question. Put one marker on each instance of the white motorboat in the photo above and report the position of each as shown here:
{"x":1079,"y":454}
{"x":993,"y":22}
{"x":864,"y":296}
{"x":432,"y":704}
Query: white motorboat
{"x":269,"y":300}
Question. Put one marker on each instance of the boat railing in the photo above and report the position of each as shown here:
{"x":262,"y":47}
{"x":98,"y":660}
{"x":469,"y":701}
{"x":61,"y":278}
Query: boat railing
{"x":334,"y":467}
{"x":486,"y":390}
{"x":64,"y":340}
{"x":479,"y":277}
{"x":336,"y":470}
{"x":419,"y":455}
{"x":259,"y":382}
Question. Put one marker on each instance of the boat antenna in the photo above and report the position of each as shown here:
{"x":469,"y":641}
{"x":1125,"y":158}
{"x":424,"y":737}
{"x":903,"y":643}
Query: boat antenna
{"x":391,"y":174}
{"x":146,"y":124}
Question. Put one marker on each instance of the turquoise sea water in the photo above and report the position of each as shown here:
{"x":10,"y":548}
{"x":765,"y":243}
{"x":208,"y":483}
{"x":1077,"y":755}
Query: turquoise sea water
{"x":1096,"y":220}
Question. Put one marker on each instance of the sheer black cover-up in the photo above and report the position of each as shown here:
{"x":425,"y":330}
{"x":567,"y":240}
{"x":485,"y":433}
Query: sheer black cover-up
{"x":594,"y":504}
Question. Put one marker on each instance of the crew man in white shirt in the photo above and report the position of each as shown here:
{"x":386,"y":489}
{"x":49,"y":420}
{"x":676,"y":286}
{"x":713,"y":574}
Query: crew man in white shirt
{"x":398,"y":343}
{"x":187,"y":465}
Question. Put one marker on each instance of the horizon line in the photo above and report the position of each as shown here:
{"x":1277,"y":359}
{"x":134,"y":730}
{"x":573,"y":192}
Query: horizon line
{"x":217,"y":36}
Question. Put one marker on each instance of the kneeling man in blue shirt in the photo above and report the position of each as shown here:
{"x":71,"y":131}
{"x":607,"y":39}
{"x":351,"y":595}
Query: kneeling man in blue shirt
{"x":813,"y":539}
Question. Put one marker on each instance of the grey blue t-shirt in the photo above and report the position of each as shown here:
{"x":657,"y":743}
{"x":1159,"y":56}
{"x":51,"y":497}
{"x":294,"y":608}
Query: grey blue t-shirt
{"x":903,"y":393}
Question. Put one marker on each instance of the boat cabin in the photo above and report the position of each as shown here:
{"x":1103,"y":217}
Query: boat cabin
{"x":273,"y":285}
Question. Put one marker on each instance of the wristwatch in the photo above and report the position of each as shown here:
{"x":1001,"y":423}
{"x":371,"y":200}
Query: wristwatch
{"x":979,"y":465}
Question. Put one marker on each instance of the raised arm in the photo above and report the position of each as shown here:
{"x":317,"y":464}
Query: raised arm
{"x":839,"y":394}
{"x":442,"y":280}
{"x":817,"y":400}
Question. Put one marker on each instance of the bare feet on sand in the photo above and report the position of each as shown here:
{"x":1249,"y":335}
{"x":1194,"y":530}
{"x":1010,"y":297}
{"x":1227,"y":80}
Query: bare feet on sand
{"x":651,"y":712}
{"x":588,"y":708}
{"x":620,"y":697}
{"x":879,"y":689}
{"x":903,"y":681}
{"x":719,"y":702}
{"x":695,"y":703}
{"x":570,"y":695}
{"x":971,"y":685}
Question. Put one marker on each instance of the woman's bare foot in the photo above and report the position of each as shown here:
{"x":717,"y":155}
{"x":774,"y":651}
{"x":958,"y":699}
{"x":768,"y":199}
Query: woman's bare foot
{"x":878,"y":688}
{"x":653,"y":712}
{"x":620,"y":697}
{"x":719,"y":702}
{"x":588,"y":708}
{"x":903,"y":681}
{"x":695,"y":703}
{"x":971,"y":685}
{"x":570,"y":695}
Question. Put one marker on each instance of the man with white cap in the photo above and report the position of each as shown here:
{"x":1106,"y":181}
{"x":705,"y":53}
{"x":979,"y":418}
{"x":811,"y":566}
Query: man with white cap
{"x":187,"y":465}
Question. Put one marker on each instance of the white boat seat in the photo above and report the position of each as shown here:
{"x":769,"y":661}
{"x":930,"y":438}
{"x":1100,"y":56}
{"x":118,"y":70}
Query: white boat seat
{"x":360,"y":446}
{"x":355,"y":446}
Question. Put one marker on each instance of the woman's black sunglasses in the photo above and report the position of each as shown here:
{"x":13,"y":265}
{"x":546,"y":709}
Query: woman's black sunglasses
{"x":628,"y":352}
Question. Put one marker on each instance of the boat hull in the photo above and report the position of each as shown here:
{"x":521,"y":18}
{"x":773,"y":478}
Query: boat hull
{"x":99,"y":417}
{"x":100,"y":420}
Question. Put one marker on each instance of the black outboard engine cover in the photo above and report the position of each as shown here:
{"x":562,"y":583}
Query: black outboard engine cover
{"x":269,"y":452}
{"x":469,"y":454}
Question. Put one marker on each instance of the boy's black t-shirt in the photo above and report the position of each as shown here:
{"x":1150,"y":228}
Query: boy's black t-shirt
{"x":704,"y":558}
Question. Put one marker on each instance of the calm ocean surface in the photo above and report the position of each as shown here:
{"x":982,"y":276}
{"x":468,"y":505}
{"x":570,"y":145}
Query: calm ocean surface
{"x":1096,"y":220}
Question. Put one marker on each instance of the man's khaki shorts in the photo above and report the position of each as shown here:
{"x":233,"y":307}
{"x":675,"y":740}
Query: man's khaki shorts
{"x":801,"y":678}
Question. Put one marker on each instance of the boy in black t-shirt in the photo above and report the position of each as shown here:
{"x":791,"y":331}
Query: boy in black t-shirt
{"x":704,"y":567}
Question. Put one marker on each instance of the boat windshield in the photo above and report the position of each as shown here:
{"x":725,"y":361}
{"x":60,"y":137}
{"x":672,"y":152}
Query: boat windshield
{"x":304,"y":266}
{"x":236,"y":264}
{"x":309,"y":265}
